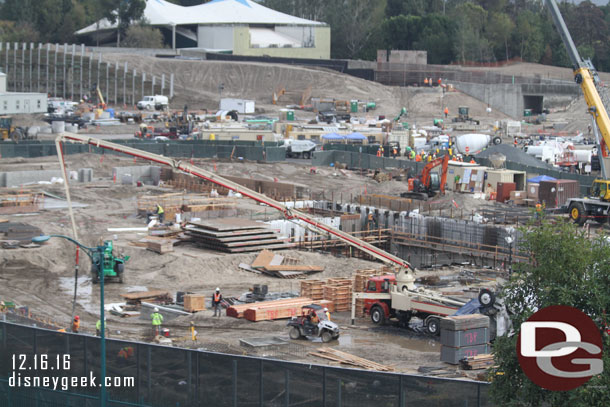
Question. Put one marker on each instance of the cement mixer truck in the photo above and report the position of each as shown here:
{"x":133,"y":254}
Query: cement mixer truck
{"x":473,"y":143}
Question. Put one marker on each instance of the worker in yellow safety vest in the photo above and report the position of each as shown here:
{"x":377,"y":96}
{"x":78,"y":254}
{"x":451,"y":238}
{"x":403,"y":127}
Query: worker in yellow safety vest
{"x":327,"y":312}
{"x":98,"y":327}
{"x":157,"y":320}
{"x":160,"y":213}
{"x":216,"y":300}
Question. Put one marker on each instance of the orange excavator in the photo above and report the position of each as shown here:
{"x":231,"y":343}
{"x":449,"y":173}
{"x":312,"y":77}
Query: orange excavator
{"x":429,"y":183}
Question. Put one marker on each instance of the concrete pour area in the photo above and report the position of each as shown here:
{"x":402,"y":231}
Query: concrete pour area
{"x":43,"y":278}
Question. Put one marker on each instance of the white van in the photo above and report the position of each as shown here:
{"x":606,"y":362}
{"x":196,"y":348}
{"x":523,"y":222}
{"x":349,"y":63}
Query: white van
{"x":157,"y":102}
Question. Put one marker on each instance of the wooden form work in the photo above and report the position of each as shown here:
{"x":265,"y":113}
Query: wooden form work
{"x":22,"y":202}
{"x":349,"y":359}
{"x":189,"y":202}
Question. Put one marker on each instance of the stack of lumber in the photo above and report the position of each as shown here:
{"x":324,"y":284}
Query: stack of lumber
{"x":349,"y":359}
{"x":269,"y":310}
{"x":234,"y":235}
{"x":339,"y":291}
{"x":313,"y":289}
{"x":160,"y":246}
{"x":477,"y":362}
{"x":156,"y":296}
{"x":280,"y":266}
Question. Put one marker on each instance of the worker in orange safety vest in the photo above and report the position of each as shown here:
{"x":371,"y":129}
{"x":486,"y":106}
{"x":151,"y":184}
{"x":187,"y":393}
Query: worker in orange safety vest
{"x":216,"y":300}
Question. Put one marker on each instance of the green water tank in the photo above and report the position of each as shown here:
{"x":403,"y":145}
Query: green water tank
{"x":290,"y":115}
{"x":371,"y":105}
{"x":527,"y":112}
{"x":353,"y":106}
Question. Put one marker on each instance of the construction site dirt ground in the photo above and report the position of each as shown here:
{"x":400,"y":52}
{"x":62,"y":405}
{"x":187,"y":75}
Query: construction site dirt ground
{"x":43,"y":278}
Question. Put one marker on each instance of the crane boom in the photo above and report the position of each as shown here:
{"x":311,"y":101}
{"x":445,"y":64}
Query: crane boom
{"x":288,"y":213}
{"x":584,"y":75}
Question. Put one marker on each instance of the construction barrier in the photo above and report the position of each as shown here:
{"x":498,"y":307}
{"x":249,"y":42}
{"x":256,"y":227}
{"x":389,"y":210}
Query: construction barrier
{"x":235,"y":149}
{"x":165,"y":376}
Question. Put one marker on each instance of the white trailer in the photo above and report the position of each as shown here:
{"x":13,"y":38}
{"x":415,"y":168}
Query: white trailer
{"x":242,"y":106}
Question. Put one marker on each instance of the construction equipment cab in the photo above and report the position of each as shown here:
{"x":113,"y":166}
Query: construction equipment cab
{"x":429,"y":183}
{"x":464,"y":116}
{"x":157,"y":102}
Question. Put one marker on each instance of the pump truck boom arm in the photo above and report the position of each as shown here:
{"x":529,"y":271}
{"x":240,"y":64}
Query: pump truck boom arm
{"x":585,"y":76}
{"x":225,"y":183}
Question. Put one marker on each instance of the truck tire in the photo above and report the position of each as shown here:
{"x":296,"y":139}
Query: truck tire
{"x":497,"y":140}
{"x":327,"y":337}
{"x":307,"y":155}
{"x":295,"y":333}
{"x":377,"y":315}
{"x":486,"y":298}
{"x":577,"y":213}
{"x":433,"y":325}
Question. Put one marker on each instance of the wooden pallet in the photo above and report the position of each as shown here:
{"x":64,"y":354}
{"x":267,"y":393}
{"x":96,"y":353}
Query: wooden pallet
{"x":349,"y":359}
{"x":477,"y":362}
{"x":237,"y":311}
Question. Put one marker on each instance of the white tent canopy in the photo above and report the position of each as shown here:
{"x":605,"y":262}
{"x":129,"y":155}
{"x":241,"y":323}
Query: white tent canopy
{"x":161,"y":12}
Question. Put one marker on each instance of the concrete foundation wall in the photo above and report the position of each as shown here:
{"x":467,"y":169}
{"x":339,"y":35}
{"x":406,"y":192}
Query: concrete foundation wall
{"x":18,"y":178}
{"x":508,"y":98}
{"x":146,"y":174}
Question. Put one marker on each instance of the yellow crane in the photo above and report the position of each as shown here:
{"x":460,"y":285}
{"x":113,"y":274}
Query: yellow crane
{"x":598,"y":206}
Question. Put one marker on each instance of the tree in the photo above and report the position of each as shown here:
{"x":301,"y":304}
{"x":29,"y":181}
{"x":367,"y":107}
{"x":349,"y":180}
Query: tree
{"x":566,"y":268}
{"x":12,"y":32}
{"x":528,"y":36}
{"x":499,"y":28}
{"x":143,"y":36}
{"x":123,"y":13}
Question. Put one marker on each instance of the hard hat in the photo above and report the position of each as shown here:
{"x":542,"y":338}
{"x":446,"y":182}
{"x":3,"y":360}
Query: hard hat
{"x":217,"y":289}
{"x":77,"y":317}
{"x":325,"y":309}
{"x":156,"y":309}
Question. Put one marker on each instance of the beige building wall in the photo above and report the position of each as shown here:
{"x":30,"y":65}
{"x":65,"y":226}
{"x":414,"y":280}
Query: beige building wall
{"x":321,"y":50}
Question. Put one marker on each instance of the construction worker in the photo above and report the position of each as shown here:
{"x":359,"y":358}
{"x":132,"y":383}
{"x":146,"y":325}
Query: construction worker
{"x":472,"y":161}
{"x":412,"y":155}
{"x":76,"y":324}
{"x":429,"y":157}
{"x":446,"y":111}
{"x":425,"y":81}
{"x":98,"y":327}
{"x":216,"y":300}
{"x":314,"y":318}
{"x":125,"y":354}
{"x":439,"y":83}
{"x":418,"y":158}
{"x":327,"y":312}
{"x":160,"y":213}
{"x":370,"y":221}
{"x":394,"y":152}
{"x":430,"y":82}
{"x":157,"y":320}
{"x":379,"y":152}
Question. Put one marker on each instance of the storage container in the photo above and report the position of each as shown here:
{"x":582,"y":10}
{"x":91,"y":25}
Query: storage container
{"x":504,"y":189}
{"x":532,"y":191}
{"x":194,"y":302}
{"x":556,"y":193}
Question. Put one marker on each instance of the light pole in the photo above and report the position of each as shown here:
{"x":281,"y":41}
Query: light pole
{"x":510,"y":239}
{"x":97,"y":261}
